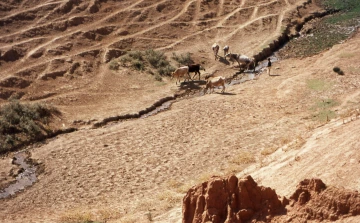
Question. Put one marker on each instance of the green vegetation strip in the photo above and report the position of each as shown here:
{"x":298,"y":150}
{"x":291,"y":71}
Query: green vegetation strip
{"x":154,"y":62}
{"x":328,"y":31}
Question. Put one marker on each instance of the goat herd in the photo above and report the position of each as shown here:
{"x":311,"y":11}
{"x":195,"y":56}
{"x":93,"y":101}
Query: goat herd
{"x":245,"y":63}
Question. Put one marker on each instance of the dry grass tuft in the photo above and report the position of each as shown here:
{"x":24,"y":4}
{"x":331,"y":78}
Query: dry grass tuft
{"x":243,"y":158}
{"x":77,"y":216}
{"x":269,"y":151}
{"x":233,"y":169}
{"x":89,"y":216}
{"x":295,"y":144}
{"x":169,"y":199}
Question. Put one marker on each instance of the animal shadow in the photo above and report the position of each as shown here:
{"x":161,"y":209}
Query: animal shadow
{"x":192,"y":85}
{"x":223,"y":60}
{"x":225,"y":93}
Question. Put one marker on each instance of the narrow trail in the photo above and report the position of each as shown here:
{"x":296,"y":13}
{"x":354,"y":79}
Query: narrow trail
{"x":185,"y":8}
{"x":57,"y":37}
{"x":242,"y":26}
{"x":46,"y":16}
{"x":31,"y":52}
{"x":254,"y":14}
{"x":29,"y":10}
{"x":7,"y":46}
{"x":243,"y":2}
{"x":197,"y":12}
{"x":226,"y":18}
{"x":220,"y":9}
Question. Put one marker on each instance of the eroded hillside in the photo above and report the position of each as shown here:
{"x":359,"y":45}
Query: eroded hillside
{"x":139,"y":170}
{"x":59,"y":50}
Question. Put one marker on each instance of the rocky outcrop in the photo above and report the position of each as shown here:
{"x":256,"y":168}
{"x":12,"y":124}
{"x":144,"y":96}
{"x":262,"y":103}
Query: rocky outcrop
{"x":313,"y":201}
{"x":234,"y":200}
{"x":231,"y":200}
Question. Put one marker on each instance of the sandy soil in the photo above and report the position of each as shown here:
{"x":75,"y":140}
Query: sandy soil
{"x":139,"y":170}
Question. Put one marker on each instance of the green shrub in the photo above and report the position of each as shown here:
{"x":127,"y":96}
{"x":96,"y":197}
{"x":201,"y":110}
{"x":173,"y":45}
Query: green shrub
{"x":136,"y":55}
{"x":124,"y":60}
{"x":167,"y":70}
{"x":156,"y":58}
{"x":158,"y":77}
{"x":182,"y":58}
{"x":140,"y":60}
{"x":23,"y":122}
{"x":138,"y":65}
{"x":114,"y":65}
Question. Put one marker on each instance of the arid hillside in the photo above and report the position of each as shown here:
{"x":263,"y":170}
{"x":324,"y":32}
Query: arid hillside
{"x":300,"y":122}
{"x":59,"y":51}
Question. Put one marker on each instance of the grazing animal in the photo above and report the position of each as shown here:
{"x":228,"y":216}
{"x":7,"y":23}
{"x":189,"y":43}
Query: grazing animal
{"x":243,"y":61}
{"x":181,"y":72}
{"x":215,"y":82}
{"x":195,"y":68}
{"x":226,"y":50}
{"x":215,"y":47}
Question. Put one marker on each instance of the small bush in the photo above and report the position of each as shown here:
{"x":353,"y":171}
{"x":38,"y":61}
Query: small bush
{"x":156,"y":58}
{"x":140,"y":60}
{"x":23,"y":122}
{"x":268,"y":151}
{"x":138,"y":65}
{"x":114,"y":65}
{"x":243,"y":158}
{"x":338,"y":71}
{"x":158,"y":77}
{"x":166,"y":70}
{"x":137,"y":55}
{"x":182,"y":58}
{"x":124,"y":60}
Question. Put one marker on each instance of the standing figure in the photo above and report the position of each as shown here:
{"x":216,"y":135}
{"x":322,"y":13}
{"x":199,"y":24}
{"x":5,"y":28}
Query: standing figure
{"x":269,"y":66}
{"x":226,"y":50}
{"x":215,"y":47}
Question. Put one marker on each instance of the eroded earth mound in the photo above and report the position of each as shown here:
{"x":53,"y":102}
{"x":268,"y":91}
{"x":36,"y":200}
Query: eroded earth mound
{"x":230,"y":200}
{"x":233,"y":200}
{"x":312,"y":200}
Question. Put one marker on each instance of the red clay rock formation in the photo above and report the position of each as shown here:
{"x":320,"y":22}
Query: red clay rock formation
{"x":234,"y":200}
{"x":230,"y":200}
{"x":313,"y":201}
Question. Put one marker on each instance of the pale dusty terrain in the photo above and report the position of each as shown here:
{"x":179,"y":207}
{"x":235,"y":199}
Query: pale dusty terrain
{"x":137,"y":170}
